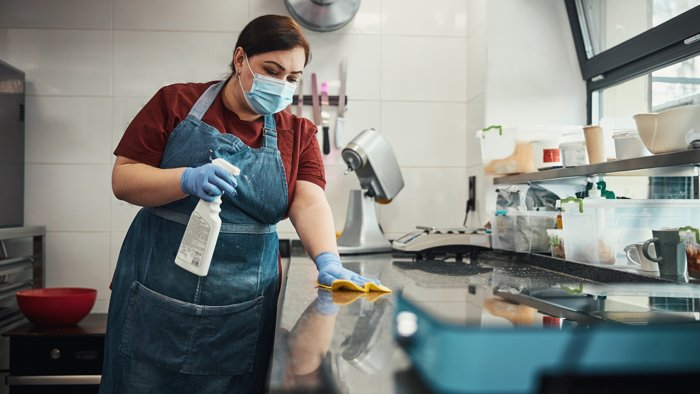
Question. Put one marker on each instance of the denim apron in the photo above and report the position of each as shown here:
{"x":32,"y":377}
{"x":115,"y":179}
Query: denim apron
{"x":170,"y":331}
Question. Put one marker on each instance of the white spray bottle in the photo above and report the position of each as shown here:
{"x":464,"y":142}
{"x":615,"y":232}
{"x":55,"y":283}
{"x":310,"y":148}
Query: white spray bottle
{"x":202,"y":232}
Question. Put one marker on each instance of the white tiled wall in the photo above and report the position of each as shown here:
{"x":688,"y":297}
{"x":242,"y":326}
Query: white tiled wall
{"x":476,"y":103}
{"x":416,"y":72}
{"x":544,"y":85}
{"x":521,"y":70}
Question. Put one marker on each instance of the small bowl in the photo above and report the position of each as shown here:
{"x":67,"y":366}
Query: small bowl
{"x":56,"y":306}
{"x":671,"y":130}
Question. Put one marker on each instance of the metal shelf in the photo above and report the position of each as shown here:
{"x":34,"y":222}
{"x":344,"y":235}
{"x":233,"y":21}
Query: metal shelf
{"x":685,"y":163}
{"x":22,"y":232}
{"x":32,"y":237}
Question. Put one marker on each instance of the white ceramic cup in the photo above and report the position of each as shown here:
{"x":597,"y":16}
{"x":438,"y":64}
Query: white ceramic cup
{"x":636,"y":256}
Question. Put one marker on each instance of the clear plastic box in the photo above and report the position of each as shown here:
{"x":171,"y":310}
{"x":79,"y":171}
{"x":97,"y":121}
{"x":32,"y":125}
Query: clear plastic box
{"x":503,"y":231}
{"x":597,"y":230}
{"x":531,"y":230}
{"x":522,"y":231}
{"x":556,"y":242}
{"x":508,"y":149}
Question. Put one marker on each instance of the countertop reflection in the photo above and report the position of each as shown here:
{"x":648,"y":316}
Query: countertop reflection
{"x":344,"y":343}
{"x":330,"y":342}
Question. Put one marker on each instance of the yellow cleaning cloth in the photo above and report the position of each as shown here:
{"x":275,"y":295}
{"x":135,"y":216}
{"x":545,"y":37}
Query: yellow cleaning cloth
{"x":343,"y":284}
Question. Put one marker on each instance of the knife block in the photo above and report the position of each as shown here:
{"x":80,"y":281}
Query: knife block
{"x":333,"y":101}
{"x":362,"y":233}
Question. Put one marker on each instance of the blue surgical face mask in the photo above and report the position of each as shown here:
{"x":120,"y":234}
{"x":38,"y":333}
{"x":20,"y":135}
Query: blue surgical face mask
{"x":268,"y":95}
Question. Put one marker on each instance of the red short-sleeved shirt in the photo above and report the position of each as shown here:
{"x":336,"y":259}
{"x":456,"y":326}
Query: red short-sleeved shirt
{"x":145,"y":138}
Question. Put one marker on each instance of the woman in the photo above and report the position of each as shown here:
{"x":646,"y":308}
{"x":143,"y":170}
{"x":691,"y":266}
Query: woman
{"x":170,"y":331}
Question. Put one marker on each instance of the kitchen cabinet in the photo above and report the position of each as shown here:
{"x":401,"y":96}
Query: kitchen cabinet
{"x":682,"y":163}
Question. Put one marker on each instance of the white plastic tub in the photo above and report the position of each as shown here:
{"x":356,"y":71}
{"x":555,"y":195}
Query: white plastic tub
{"x":573,"y":153}
{"x":546,"y":154}
{"x":628,"y":145}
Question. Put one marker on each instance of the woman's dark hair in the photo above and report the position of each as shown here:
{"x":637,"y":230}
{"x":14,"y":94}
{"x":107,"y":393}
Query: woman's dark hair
{"x":269,"y":33}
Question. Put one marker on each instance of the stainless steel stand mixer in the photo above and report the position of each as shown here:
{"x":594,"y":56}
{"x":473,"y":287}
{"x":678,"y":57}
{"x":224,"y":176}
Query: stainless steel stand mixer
{"x":370,"y":156}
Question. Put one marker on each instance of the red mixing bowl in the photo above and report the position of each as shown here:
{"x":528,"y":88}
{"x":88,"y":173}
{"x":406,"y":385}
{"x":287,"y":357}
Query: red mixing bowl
{"x":56,"y":306}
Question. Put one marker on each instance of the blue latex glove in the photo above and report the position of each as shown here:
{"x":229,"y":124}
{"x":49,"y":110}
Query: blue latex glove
{"x":207,"y":182}
{"x":331,"y":269}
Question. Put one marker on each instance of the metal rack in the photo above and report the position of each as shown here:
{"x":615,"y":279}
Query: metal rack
{"x":22,"y":266}
{"x":683,"y":163}
{"x":36,"y":256}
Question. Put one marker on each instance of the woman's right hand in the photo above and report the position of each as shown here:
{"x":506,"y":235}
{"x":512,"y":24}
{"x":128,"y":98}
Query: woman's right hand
{"x":207,"y":182}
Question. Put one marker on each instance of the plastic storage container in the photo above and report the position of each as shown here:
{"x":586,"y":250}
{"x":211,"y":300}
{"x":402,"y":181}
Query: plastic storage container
{"x":531,"y":230}
{"x":628,"y":145}
{"x":508,"y":149}
{"x":555,"y":236}
{"x":546,"y":154}
{"x":691,"y":235}
{"x":573,"y":153}
{"x":597,"y":230}
{"x":503,"y":231}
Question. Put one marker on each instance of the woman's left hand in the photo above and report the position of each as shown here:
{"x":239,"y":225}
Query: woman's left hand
{"x":331,"y":269}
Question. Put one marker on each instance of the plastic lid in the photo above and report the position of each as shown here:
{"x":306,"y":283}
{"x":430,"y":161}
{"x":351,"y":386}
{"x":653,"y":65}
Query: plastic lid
{"x":572,"y":144}
{"x":625,"y":134}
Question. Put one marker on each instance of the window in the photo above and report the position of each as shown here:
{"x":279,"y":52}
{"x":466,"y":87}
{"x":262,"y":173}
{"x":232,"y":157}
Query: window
{"x":675,"y":85}
{"x":667,"y":87}
{"x":610,"y":23}
{"x":637,"y":55}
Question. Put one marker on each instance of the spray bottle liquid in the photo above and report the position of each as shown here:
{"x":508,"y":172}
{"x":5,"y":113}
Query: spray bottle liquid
{"x":202,"y":232}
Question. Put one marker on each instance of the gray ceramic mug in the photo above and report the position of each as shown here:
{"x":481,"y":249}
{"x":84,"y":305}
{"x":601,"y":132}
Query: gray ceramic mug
{"x":670,"y":252}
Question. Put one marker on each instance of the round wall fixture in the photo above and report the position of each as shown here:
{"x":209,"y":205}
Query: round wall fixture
{"x":323,"y":15}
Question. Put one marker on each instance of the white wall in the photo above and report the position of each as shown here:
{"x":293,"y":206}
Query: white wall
{"x":92,"y":64}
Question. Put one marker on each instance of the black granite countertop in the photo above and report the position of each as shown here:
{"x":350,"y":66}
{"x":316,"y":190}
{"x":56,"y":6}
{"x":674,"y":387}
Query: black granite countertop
{"x":344,"y":343}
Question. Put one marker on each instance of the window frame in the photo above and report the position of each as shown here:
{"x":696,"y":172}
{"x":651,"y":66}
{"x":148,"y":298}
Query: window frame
{"x":653,"y":49}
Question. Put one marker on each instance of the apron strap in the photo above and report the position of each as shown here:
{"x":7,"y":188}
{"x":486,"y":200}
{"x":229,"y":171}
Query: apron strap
{"x":204,"y":102}
{"x":270,"y":132}
{"x":226,"y":228}
{"x":207,"y":98}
